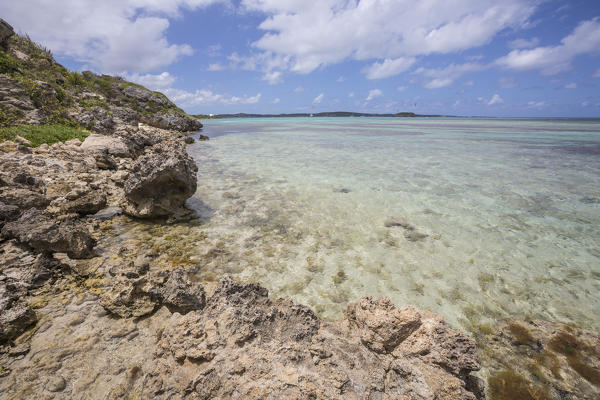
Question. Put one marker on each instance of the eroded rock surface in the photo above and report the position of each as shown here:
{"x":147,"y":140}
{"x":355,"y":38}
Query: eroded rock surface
{"x":161,"y":181}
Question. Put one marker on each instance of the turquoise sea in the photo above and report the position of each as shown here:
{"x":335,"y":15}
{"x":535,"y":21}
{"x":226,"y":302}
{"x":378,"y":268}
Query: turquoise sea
{"x":477,"y":219}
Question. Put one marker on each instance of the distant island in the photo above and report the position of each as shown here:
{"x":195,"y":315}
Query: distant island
{"x":321,"y":114}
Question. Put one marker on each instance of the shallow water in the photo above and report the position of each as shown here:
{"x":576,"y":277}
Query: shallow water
{"x":486,"y":218}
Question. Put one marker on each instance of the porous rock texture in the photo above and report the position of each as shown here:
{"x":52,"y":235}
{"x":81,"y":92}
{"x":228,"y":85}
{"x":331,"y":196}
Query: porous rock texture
{"x":161,"y":181}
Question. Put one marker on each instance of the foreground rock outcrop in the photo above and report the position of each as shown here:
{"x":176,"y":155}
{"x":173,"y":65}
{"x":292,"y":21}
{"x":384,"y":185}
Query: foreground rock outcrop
{"x":161,"y":181}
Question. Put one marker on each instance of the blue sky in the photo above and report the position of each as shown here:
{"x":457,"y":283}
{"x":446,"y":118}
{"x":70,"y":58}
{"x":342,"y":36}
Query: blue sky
{"x":458,"y":57}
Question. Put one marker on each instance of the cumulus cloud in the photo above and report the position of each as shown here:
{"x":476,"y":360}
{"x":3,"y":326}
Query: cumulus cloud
{"x":276,"y":101}
{"x":110,"y":35}
{"x":401,"y":88}
{"x":496,"y":99}
{"x":205,"y":97}
{"x":272,"y":77}
{"x":318,"y":99}
{"x":536,"y":104}
{"x":442,"y":77}
{"x":374,"y":94}
{"x":393,"y":31}
{"x":299,"y":89}
{"x":523,"y":43}
{"x":571,"y":85}
{"x":554,"y":59}
{"x":389,"y":67}
{"x":153,"y":82}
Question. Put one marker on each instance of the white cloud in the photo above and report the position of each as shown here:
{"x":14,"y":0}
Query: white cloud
{"x":401,"y":88}
{"x":523,"y":43}
{"x":299,"y":89}
{"x":496,"y":99}
{"x":206,"y":96}
{"x":571,"y":85}
{"x":351,"y":94}
{"x":596,"y":74}
{"x":153,"y":82}
{"x":389,"y":67}
{"x":470,"y":83}
{"x":442,"y":77}
{"x":378,"y":29}
{"x":554,"y":59}
{"x":272,"y":77}
{"x":507,"y":83}
{"x":276,"y":101}
{"x":109,"y":35}
{"x":374,"y":94}
{"x":216,"y":67}
{"x":536,"y":104}
{"x":341,"y":79}
{"x":214,"y":50}
{"x":318,"y":99}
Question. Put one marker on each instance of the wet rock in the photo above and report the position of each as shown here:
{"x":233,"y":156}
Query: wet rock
{"x":46,"y":234}
{"x":23,"y":198}
{"x":160,"y":182}
{"x":551,"y":360}
{"x":108,"y":212}
{"x":398,"y":222}
{"x":380,"y":324}
{"x":112,"y":145}
{"x":189,"y":140}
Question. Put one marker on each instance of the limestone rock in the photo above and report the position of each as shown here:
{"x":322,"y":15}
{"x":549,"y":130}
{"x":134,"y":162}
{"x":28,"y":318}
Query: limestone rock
{"x":161,"y":181}
{"x":380,"y":324}
{"x":173,"y":121}
{"x":114,"y":146}
{"x":89,"y":202}
{"x":180,"y":295}
{"x":46,"y":234}
{"x":15,"y":316}
{"x":23,"y":198}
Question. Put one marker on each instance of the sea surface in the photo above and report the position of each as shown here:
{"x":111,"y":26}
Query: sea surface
{"x":476,"y":219}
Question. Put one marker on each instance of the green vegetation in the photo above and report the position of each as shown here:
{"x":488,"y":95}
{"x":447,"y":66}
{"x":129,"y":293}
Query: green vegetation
{"x":38,"y":134}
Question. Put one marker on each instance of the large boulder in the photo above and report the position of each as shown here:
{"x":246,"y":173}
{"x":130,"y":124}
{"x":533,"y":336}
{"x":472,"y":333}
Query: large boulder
{"x":112,"y":145}
{"x":172,"y":121}
{"x":161,"y":181}
{"x":46,"y":234}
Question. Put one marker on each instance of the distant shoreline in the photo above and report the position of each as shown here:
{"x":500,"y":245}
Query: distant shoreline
{"x":321,"y":114}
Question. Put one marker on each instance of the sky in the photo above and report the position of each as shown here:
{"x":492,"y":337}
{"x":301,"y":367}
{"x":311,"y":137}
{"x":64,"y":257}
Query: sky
{"x":455,"y":57}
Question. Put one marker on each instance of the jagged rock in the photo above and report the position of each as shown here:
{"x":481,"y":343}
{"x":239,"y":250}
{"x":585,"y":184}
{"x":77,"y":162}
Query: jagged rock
{"x":15,"y":316}
{"x":24,"y":268}
{"x":180,"y":295}
{"x":97,"y":119}
{"x":114,"y":146}
{"x":380,"y":324}
{"x":6,"y":31}
{"x":46,"y":234}
{"x":172,"y":121}
{"x":8,"y":213}
{"x":161,"y":181}
{"x":21,"y":140}
{"x":89,"y":202}
{"x":23,"y":198}
{"x":244,"y":345}
{"x":127,"y":298}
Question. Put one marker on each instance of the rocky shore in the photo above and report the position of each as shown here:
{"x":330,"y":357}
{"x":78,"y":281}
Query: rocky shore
{"x":86,"y":315}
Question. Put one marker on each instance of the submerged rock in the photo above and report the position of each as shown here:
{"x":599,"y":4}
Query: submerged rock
{"x":160,"y":182}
